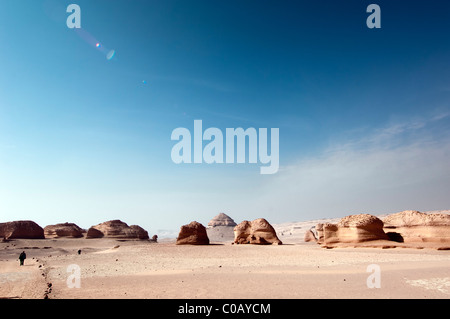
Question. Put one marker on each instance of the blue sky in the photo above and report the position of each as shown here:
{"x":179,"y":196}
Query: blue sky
{"x":364,"y":114}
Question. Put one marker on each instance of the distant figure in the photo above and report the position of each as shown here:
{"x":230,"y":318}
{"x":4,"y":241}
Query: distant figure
{"x":79,"y":251}
{"x":22,"y":257}
{"x":155,"y":238}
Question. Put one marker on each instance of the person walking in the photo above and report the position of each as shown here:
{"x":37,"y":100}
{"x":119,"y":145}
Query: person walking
{"x":22,"y":257}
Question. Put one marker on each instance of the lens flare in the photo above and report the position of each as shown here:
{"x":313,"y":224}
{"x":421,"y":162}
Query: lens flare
{"x":110,"y":54}
{"x":91,"y":40}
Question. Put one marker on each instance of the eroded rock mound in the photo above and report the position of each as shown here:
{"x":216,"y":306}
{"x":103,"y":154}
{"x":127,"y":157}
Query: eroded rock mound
{"x":117,"y":229}
{"x":222,"y":220}
{"x":63,"y":230}
{"x":141,"y":233}
{"x":193,"y":234}
{"x":310,"y":236}
{"x":220,"y":228}
{"x":414,"y":226}
{"x":22,"y":229}
{"x":352,"y":229}
{"x":94,"y":233}
{"x":258,"y":232}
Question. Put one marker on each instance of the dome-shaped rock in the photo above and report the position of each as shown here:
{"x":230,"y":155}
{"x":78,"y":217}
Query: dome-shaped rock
{"x":258,"y":232}
{"x":222,"y":220}
{"x":352,"y":229}
{"x":22,"y":229}
{"x":193,"y":234}
{"x":117,"y":229}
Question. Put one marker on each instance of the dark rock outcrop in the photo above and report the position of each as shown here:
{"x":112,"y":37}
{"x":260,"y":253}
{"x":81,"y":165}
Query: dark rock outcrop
{"x":22,"y":229}
{"x":193,"y":234}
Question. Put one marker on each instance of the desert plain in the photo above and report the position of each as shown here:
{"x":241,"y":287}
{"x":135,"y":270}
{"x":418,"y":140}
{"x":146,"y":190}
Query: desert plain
{"x":141,"y":269}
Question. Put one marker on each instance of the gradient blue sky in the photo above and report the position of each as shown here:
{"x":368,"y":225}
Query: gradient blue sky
{"x":364,"y":114}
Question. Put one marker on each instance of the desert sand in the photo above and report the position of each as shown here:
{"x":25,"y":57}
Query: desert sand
{"x":118,"y":269}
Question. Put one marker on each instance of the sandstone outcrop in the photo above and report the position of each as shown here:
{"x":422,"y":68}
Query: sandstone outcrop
{"x":416,"y":227}
{"x":193,"y":233}
{"x":221,"y":220}
{"x":94,"y":233}
{"x":63,"y":230}
{"x":352,"y":229}
{"x":310,"y":236}
{"x":22,"y":229}
{"x":117,"y":229}
{"x":258,"y":232}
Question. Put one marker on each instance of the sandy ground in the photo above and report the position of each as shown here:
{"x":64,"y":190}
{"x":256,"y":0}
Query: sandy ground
{"x":140,"y":269}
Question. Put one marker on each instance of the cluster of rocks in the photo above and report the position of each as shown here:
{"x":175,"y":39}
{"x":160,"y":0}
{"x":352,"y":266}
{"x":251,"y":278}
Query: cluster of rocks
{"x":223,"y":228}
{"x":27,"y":229}
{"x":403,"y":227}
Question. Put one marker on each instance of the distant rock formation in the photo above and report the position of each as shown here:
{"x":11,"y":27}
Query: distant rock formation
{"x":222,"y":220}
{"x":220,"y":228}
{"x":193,"y":234}
{"x":258,"y":232}
{"x":413,"y":226}
{"x":140,"y":232}
{"x":310,"y":236}
{"x":352,"y":229}
{"x":63,"y":230}
{"x":22,"y":229}
{"x":117,"y":229}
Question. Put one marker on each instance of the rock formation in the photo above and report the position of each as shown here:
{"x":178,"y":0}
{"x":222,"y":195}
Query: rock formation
{"x":221,"y":220}
{"x":258,"y":232}
{"x":117,"y":229}
{"x":141,"y":233}
{"x":352,"y":229}
{"x":193,"y":234}
{"x":220,"y":228}
{"x":413,"y":226}
{"x":310,"y":236}
{"x":63,"y":230}
{"x":22,"y":229}
{"x":94,"y":233}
